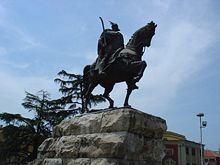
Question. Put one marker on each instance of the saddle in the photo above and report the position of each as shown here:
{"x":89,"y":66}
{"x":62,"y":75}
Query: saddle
{"x":126,"y":54}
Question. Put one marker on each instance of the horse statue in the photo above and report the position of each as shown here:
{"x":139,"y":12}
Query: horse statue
{"x":127,"y":66}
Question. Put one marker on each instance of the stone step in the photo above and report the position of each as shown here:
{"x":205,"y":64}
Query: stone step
{"x":120,"y":145}
{"x":116,"y":120}
{"x":92,"y":161}
{"x":122,"y":136}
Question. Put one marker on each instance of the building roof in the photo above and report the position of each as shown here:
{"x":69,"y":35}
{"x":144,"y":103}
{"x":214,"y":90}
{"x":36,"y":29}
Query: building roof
{"x":173,"y":136}
{"x":209,"y":153}
{"x":176,"y":138}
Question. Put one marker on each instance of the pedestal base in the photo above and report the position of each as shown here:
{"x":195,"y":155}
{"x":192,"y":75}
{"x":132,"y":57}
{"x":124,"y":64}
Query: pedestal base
{"x":122,"y":136}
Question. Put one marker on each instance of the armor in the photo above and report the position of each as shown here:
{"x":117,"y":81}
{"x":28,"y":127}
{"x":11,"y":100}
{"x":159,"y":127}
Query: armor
{"x":109,"y":42}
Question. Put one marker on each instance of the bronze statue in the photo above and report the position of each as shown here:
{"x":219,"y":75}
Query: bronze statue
{"x":124,"y":64}
{"x":110,"y":41}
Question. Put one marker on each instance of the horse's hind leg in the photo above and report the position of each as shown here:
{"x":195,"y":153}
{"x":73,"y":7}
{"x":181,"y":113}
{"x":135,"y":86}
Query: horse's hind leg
{"x":106,"y":95}
{"x":88,"y":95}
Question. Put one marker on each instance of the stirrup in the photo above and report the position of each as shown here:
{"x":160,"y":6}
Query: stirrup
{"x":135,"y":87}
{"x":136,"y":79}
{"x":102,"y":74}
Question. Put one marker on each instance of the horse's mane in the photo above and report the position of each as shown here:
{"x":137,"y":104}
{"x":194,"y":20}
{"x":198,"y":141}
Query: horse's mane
{"x":139,"y":34}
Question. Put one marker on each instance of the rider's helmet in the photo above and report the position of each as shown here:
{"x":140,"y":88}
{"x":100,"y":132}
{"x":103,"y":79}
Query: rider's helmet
{"x":114,"y":26}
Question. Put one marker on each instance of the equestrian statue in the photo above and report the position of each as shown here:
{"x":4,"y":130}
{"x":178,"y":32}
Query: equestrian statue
{"x":117,"y":63}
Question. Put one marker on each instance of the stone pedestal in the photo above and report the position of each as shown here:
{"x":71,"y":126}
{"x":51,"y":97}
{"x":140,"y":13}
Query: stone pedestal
{"x":122,"y":136}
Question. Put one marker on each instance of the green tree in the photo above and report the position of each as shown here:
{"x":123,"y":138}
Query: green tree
{"x":22,"y":136}
{"x":48,"y":112}
{"x":17,"y":145}
{"x":71,"y":86}
{"x":22,"y":133}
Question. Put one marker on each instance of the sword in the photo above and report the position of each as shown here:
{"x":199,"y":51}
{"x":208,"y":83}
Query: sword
{"x":103,"y":28}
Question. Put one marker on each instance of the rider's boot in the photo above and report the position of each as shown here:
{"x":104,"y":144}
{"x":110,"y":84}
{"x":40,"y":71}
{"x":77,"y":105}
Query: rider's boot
{"x":136,"y":78}
{"x":102,"y":67}
{"x":134,"y":86}
{"x":134,"y":81}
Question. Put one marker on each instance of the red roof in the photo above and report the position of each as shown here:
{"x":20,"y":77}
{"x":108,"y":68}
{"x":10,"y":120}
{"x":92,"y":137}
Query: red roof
{"x":209,"y":153}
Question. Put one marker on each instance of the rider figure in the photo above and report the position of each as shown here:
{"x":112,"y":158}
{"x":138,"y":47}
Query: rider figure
{"x":109,"y":42}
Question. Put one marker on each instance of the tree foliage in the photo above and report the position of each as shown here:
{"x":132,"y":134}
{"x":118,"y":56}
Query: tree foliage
{"x":21,"y":132}
{"x":17,"y":145}
{"x":71,"y":86}
{"x":22,"y":136}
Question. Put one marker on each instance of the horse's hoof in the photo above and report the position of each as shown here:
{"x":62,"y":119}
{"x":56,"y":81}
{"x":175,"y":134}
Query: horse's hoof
{"x":127,"y":106}
{"x":85,"y":110}
{"x":110,"y":107}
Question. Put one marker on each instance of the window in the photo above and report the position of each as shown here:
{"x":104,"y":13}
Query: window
{"x":193,"y":151}
{"x":211,"y":160}
{"x":187,"y":151}
{"x":169,"y":152}
{"x":170,"y":162}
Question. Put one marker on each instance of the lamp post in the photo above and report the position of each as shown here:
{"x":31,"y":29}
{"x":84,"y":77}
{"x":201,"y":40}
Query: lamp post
{"x":203,"y":124}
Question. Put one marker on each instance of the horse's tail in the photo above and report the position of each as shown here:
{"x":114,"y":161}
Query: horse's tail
{"x":86,"y":73}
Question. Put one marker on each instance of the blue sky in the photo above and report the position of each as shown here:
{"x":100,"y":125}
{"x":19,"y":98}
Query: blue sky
{"x":40,"y":38}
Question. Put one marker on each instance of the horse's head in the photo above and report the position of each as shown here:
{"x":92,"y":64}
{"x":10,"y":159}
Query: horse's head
{"x":142,"y":37}
{"x":148,"y":33}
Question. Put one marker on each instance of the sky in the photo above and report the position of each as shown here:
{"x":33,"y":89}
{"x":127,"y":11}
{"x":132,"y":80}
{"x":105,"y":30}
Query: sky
{"x":40,"y":38}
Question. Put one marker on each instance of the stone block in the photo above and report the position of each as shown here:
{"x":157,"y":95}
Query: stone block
{"x":107,"y":161}
{"x":116,"y":120}
{"x":120,"y":145}
{"x":122,"y":136}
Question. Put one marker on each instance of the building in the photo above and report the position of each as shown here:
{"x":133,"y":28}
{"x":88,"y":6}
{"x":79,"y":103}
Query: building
{"x":212,"y":157}
{"x":180,"y":151}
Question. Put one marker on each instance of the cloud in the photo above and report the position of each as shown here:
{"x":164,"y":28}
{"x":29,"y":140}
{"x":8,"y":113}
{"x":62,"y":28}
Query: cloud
{"x":174,"y":59}
{"x":12,"y":64}
{"x":18,"y":39}
{"x":2,"y":14}
{"x":13,"y":91}
{"x":177,"y":55}
{"x":163,"y":5}
{"x":26,"y":40}
{"x":3,"y":51}
{"x":15,"y":40}
{"x":13,"y":34}
{"x":172,"y":64}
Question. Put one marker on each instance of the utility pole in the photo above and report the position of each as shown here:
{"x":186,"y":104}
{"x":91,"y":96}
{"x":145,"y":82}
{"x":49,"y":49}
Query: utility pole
{"x":203,"y":124}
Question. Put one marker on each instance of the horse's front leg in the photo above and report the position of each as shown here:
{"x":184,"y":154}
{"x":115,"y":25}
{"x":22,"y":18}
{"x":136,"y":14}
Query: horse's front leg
{"x":106,"y":95}
{"x":129,"y":90}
